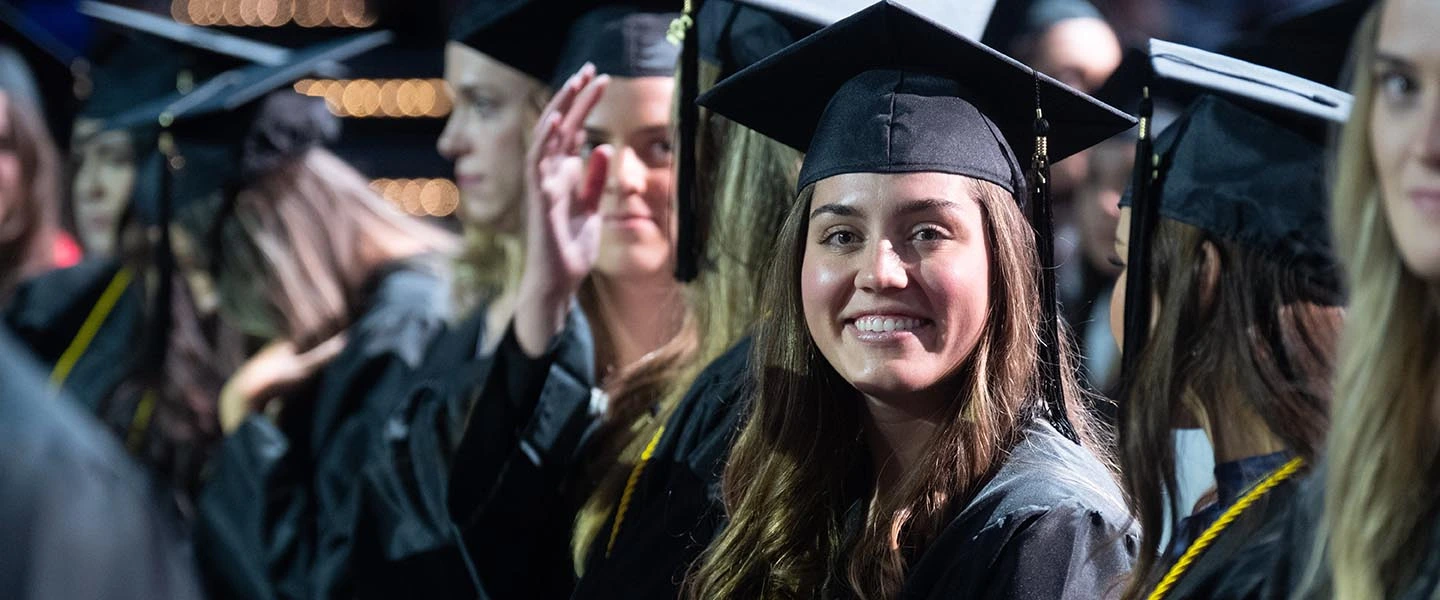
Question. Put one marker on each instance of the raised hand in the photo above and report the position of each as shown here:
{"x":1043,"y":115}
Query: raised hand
{"x":276,"y":369}
{"x":562,"y":202}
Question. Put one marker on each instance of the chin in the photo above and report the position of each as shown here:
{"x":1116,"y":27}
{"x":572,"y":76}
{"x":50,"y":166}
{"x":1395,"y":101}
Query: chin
{"x":631,"y":261}
{"x":893,"y":381}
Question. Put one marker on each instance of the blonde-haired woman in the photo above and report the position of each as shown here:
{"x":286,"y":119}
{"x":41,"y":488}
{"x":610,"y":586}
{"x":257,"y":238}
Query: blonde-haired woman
{"x":1365,"y":526}
{"x":1380,"y":483}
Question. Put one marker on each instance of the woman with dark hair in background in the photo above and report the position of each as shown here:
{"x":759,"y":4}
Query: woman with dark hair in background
{"x":1245,"y":310}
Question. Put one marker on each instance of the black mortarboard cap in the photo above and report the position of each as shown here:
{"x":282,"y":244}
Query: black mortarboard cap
{"x":234,"y":125}
{"x":155,"y":56}
{"x":621,"y":40}
{"x":889,"y":90}
{"x":551,"y":39}
{"x":1246,"y":160}
{"x":50,"y":62}
{"x":734,"y":34}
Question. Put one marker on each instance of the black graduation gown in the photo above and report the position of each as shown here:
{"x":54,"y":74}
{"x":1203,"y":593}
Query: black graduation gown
{"x":676,"y":508}
{"x":48,"y":311}
{"x":511,"y":483}
{"x":1051,"y":524}
{"x":78,"y":519}
{"x":278,"y":514}
{"x":405,"y":543}
{"x":1273,"y":565}
{"x":1234,"y":541}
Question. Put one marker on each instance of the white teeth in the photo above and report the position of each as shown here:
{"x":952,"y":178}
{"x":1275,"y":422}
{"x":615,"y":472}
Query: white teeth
{"x":886,"y":324}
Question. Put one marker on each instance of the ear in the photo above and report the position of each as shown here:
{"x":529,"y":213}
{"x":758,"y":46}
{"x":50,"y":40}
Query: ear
{"x":1209,"y":274}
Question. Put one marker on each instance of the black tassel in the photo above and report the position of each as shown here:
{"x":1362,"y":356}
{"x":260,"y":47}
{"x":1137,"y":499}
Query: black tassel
{"x":1143,"y":214}
{"x":688,"y":242}
{"x":164,"y":258}
{"x":1042,"y":220}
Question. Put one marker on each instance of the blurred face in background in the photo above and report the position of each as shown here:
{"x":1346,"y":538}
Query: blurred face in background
{"x":1097,"y":204}
{"x":104,"y":181}
{"x":1082,"y":53}
{"x":495,"y":107}
{"x":1405,"y":130}
{"x":10,"y":184}
{"x":638,"y":229}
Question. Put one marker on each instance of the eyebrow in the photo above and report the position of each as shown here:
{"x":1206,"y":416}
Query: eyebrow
{"x":925,"y":204}
{"x":1391,"y":59}
{"x":906,"y":208}
{"x":839,"y":210}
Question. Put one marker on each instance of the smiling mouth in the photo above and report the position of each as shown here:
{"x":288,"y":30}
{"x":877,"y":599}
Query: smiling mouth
{"x":884,"y":324}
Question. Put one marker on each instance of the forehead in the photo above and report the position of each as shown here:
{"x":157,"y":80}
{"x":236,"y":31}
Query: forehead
{"x":632,"y":103}
{"x":1407,"y":31}
{"x":467,"y":66}
{"x":875,"y":189}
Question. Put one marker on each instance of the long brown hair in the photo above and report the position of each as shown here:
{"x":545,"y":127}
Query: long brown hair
{"x":747,"y":180}
{"x":30,"y":220}
{"x":1380,"y":478}
{"x":786,"y":482}
{"x":302,"y":243}
{"x":1260,"y":342}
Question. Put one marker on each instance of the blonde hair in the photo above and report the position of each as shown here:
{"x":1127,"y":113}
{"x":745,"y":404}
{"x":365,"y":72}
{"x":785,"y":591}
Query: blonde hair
{"x":491,"y":261}
{"x":303,"y":242}
{"x":748,"y":180}
{"x":1382,"y":451}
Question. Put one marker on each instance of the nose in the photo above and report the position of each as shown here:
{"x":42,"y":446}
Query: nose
{"x":881,"y":268}
{"x":88,"y":183}
{"x":451,"y":144}
{"x":627,"y":173}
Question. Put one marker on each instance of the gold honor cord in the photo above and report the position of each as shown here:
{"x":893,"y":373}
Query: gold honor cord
{"x":1203,"y":542}
{"x":90,"y":327}
{"x":630,"y":488}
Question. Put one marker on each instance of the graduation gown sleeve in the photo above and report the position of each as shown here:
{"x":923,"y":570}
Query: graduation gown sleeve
{"x":1065,"y":552}
{"x":277,"y":516}
{"x":676,"y":509}
{"x":513,"y":466}
{"x":1050,"y":524}
{"x":406,"y":543}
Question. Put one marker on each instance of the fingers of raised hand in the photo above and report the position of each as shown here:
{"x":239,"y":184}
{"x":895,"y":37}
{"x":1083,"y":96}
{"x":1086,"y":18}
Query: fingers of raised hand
{"x":572,"y":125}
{"x":597,"y":171}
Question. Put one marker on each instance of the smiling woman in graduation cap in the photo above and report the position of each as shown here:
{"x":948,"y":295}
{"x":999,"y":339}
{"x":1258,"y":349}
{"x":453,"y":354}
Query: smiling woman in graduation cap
{"x":906,"y":437}
{"x":1229,"y":262}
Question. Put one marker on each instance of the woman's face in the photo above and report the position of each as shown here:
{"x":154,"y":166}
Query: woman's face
{"x":637,"y":232}
{"x":104,"y":180}
{"x":10,"y":185}
{"x":895,"y":280}
{"x":1117,"y":297}
{"x":485,"y":135}
{"x":1405,"y":130}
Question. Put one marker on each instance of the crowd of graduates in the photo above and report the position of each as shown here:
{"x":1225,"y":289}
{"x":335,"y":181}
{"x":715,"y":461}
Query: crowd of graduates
{"x":744,"y":299}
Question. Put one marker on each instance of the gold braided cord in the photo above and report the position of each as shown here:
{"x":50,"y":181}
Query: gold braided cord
{"x":1212,"y":532}
{"x":630,"y":488}
{"x":90,"y":327}
{"x":140,"y":423}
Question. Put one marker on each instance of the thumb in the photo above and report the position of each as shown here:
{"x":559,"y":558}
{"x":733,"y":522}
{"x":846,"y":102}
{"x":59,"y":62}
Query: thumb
{"x":597,"y":171}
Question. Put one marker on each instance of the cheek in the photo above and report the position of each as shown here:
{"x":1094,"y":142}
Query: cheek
{"x":823,"y":291}
{"x":1117,"y":310}
{"x":959,"y":289}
